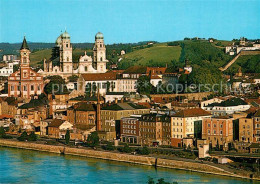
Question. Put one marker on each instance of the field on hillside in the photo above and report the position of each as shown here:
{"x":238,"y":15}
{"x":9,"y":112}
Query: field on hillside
{"x":248,"y":64}
{"x":158,"y":55}
{"x":36,"y":57}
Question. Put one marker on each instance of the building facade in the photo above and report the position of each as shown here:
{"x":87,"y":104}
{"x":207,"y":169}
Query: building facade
{"x":218,"y":131}
{"x":25,"y":82}
{"x":61,"y":62}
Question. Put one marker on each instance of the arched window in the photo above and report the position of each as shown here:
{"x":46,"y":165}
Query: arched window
{"x":68,"y":68}
{"x":101,"y":58}
{"x":86,"y":68}
{"x":100,"y":45}
{"x":68,"y":58}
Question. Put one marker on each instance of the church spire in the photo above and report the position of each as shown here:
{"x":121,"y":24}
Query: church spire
{"x":24,"y":44}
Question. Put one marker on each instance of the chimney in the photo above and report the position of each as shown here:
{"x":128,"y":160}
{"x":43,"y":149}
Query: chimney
{"x":116,"y":101}
{"x":122,"y":100}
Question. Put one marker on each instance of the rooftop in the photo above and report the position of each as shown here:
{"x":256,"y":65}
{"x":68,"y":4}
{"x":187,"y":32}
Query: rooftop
{"x":56,"y":123}
{"x":191,"y":113}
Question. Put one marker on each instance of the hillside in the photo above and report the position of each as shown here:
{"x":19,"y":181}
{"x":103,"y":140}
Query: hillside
{"x":157,"y":55}
{"x":248,"y":64}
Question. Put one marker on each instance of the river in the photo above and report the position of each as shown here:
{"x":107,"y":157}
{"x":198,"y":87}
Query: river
{"x":26,"y":166}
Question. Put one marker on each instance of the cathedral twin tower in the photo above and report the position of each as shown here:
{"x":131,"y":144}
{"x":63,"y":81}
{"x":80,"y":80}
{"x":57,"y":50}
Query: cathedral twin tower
{"x":61,"y":61}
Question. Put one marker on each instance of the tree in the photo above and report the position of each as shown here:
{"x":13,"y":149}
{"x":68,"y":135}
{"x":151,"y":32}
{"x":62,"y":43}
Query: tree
{"x":88,"y":89}
{"x":160,"y":181}
{"x":94,"y":88}
{"x":113,"y":86}
{"x":126,"y":149}
{"x":93,"y":139}
{"x":150,"y":180}
{"x":108,"y":86}
{"x":2,"y":132}
{"x":143,"y":151}
{"x":23,"y":136}
{"x":56,"y":85}
{"x":217,"y":146}
{"x":144,"y":86}
{"x":73,"y":78}
{"x":109,"y":146}
{"x":32,"y":137}
{"x":67,"y":137}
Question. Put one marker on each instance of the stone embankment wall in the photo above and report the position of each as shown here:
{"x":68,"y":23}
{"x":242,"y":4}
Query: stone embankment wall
{"x":145,"y":160}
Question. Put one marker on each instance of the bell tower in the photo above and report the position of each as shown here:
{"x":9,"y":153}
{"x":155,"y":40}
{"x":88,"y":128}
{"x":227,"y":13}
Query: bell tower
{"x":99,"y":54}
{"x":66,"y":53}
{"x":25,"y":54}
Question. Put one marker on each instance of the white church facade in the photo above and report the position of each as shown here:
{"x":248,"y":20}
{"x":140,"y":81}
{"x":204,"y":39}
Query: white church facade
{"x":61,"y":62}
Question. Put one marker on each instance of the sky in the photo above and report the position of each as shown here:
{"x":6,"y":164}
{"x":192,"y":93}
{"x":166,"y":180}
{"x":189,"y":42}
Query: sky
{"x":128,"y":21}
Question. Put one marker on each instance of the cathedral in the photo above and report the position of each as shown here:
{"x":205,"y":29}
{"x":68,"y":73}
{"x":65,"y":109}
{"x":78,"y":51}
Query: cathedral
{"x":61,"y":62}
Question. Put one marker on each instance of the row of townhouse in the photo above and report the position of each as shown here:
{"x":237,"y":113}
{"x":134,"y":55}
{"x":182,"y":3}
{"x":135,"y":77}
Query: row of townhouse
{"x":189,"y":126}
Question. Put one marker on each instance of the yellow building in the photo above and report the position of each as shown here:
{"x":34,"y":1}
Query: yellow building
{"x":112,"y":114}
{"x":246,"y":130}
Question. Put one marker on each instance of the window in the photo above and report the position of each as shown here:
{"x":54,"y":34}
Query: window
{"x":25,"y":88}
{"x":67,"y":45}
{"x":86,"y":68}
{"x":12,"y":88}
{"x":68,"y":58}
{"x":32,"y":87}
{"x":39,"y":88}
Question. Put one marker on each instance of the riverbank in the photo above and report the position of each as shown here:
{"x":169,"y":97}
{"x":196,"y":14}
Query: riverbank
{"x":135,"y":159}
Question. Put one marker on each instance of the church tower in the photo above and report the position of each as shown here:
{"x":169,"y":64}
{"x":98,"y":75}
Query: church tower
{"x":66,"y":53}
{"x":25,"y":54}
{"x":99,"y":54}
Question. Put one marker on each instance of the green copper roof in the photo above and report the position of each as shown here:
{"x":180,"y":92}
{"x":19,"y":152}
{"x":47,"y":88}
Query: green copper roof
{"x":99,"y":35}
{"x":24,"y":45}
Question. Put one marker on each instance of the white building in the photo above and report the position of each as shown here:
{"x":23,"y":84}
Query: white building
{"x":229,"y":106}
{"x":210,"y":101}
{"x":102,"y":81}
{"x":8,"y":70}
{"x":9,"y":57}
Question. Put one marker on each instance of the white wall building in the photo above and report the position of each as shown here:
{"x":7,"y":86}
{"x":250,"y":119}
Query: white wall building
{"x":8,"y":70}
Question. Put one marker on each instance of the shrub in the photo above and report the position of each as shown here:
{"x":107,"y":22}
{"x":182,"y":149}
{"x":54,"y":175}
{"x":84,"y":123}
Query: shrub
{"x":93,"y":139}
{"x":23,"y":136}
{"x":32,"y":137}
{"x":125,"y":149}
{"x":143,"y":151}
{"x":109,"y":147}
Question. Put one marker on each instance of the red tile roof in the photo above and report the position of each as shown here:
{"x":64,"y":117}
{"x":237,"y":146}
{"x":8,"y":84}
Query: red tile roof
{"x":99,"y":76}
{"x":192,"y":113}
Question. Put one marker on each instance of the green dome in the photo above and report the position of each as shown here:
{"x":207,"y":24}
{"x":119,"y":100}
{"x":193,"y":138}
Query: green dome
{"x":58,"y":41}
{"x":65,"y":35}
{"x":99,"y":36}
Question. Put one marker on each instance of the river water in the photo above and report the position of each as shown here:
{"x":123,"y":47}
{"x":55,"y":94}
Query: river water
{"x":26,"y":166}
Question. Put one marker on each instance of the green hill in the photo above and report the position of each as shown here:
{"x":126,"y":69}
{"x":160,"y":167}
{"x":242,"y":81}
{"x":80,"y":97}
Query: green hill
{"x":157,"y":55}
{"x":248,"y":64}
